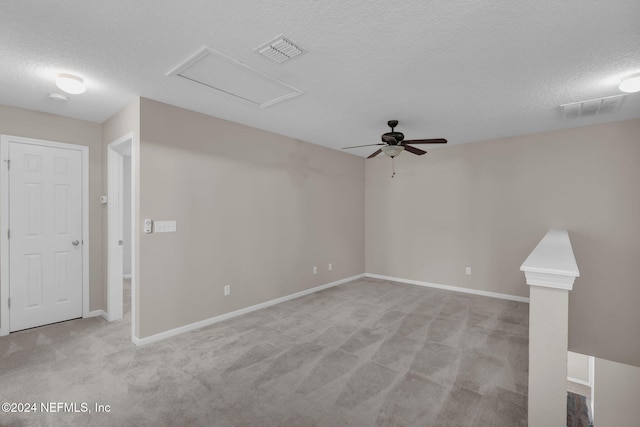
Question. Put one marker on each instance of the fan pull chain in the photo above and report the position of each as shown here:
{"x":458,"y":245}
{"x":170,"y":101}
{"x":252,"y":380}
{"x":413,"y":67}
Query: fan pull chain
{"x":393,"y":167}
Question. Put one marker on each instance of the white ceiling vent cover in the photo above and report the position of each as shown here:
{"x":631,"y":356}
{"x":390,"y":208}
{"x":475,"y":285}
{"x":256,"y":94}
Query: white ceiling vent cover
{"x":232,"y":78}
{"x":592,"y":107}
{"x":279,"y":50}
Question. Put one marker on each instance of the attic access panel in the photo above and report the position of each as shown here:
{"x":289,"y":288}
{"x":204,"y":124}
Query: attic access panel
{"x":232,"y":78}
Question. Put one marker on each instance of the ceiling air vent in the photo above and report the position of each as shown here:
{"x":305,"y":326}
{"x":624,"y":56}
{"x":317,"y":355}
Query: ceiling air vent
{"x":279,"y":50}
{"x":592,"y":107}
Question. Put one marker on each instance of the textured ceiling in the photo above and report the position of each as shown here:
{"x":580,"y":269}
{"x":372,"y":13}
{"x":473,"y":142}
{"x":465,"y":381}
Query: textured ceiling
{"x":464,"y":70}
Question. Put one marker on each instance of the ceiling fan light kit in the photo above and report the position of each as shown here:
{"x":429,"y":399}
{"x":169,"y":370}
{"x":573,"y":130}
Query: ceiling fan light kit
{"x":392,"y":150}
{"x":393,"y":143}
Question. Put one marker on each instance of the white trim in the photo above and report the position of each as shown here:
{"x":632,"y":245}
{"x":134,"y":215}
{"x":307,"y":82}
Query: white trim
{"x":578,"y":381}
{"x":547,"y":280}
{"x":216,"y":319}
{"x":135,"y":219}
{"x":592,"y":379}
{"x":4,"y":222}
{"x":450,"y":288}
{"x":85,"y":233}
{"x":97,"y":313}
{"x":114,"y":225}
{"x":4,"y":242}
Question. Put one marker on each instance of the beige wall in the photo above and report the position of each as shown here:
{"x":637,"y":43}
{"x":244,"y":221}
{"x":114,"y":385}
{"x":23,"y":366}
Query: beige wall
{"x":254,"y":209}
{"x":616,"y":391}
{"x":33,"y":124}
{"x":258,"y":210}
{"x":486,"y":205}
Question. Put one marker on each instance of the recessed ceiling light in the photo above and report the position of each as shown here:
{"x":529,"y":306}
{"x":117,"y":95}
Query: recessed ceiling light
{"x":70,"y":83}
{"x":630,"y":83}
{"x":57,"y":97}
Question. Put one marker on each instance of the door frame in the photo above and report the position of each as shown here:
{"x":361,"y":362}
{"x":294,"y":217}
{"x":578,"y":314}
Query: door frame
{"x":115,"y":219}
{"x":4,"y":221}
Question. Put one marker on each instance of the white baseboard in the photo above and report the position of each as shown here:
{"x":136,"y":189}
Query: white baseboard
{"x":577,"y":381}
{"x":210,"y":321}
{"x":450,"y":288}
{"x":96,"y":313}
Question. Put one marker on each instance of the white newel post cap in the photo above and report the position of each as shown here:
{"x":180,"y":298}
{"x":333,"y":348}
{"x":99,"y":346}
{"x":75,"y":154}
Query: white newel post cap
{"x":552,"y":263}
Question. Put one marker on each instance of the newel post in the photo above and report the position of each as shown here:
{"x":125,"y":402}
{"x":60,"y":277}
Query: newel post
{"x":550,"y":271}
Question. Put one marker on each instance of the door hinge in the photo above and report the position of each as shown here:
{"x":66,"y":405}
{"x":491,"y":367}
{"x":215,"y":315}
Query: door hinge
{"x":8,"y":163}
{"x":9,"y":302}
{"x":8,"y":234}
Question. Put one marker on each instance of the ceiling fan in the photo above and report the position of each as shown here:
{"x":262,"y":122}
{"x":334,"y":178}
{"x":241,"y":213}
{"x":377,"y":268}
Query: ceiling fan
{"x":393,"y":143}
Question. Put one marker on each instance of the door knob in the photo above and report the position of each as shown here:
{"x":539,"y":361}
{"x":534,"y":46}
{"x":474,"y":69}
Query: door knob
{"x":120,"y":242}
{"x":75,"y":243}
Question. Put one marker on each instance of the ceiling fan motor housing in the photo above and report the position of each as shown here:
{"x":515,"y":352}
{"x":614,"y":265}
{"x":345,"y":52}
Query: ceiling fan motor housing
{"x":398,"y":136}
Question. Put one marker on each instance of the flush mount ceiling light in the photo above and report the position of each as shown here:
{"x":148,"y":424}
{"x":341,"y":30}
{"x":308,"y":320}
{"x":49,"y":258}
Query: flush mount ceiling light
{"x":70,"y":83}
{"x":630,"y":83}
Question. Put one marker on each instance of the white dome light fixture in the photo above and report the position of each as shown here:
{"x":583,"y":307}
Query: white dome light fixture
{"x":392,"y":150}
{"x":630,"y":83}
{"x":71,"y":84}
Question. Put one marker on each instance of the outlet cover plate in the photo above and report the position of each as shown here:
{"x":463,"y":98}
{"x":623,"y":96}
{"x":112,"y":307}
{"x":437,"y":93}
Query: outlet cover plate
{"x":165,"y":226}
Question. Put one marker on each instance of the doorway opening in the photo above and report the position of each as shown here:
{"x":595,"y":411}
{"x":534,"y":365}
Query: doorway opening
{"x":120,"y":230}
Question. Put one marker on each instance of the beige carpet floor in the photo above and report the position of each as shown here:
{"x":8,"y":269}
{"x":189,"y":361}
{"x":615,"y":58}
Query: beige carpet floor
{"x":366,"y":353}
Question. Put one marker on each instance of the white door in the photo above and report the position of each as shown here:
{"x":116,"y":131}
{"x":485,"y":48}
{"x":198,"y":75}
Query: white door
{"x":45,"y":243}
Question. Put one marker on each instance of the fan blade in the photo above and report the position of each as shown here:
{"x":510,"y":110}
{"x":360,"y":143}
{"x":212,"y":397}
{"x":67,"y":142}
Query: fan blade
{"x":375,"y":154}
{"x":425,"y":141}
{"x":358,"y":146}
{"x":414,"y":150}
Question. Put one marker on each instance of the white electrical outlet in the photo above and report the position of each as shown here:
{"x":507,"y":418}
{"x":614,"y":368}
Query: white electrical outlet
{"x":227,"y":290}
{"x":315,"y":270}
{"x":330,"y":266}
{"x":468,"y":271}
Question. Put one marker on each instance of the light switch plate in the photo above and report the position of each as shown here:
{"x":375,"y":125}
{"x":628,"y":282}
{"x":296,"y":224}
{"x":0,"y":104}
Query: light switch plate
{"x":164,"y":226}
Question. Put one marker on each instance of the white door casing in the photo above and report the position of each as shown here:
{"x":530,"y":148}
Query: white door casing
{"x":114,"y":234}
{"x":44,"y":209}
{"x":115,"y":225}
